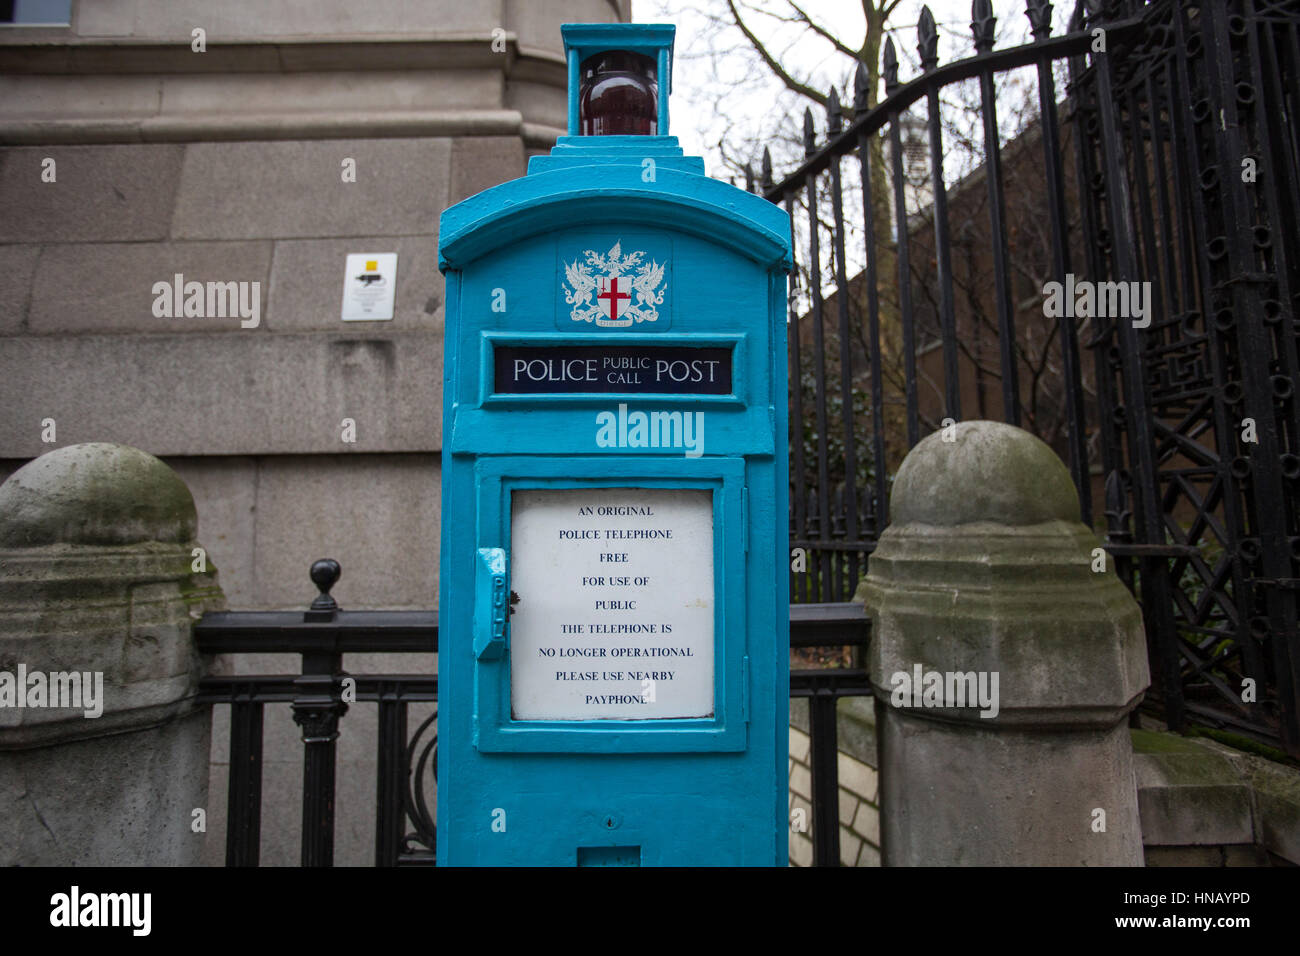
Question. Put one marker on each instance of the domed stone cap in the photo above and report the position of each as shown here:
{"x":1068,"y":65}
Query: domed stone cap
{"x":992,"y":472}
{"x":95,"y":493}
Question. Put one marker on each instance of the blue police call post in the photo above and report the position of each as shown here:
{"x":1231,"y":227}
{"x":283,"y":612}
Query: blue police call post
{"x":614,"y":603}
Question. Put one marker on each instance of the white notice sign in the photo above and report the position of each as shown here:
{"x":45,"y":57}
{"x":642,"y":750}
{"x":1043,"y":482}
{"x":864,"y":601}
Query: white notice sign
{"x":616,"y":603}
{"x":369,"y":283}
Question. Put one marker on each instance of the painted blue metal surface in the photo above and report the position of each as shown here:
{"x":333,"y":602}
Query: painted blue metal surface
{"x":711,"y":274}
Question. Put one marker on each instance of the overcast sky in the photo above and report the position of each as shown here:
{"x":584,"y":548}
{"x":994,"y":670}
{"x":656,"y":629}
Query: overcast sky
{"x":718,"y":82}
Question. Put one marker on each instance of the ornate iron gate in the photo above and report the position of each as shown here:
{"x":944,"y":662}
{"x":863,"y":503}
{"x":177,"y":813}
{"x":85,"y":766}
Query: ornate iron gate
{"x":1171,"y":160}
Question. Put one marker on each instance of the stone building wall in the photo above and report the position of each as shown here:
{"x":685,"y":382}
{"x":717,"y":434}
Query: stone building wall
{"x":227,"y":165}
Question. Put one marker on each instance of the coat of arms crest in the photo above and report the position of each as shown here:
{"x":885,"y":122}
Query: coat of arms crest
{"x":613,"y":279}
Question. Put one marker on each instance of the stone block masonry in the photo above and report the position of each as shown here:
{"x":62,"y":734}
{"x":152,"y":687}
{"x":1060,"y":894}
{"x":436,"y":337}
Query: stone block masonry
{"x":858,"y":800}
{"x":111,"y":193}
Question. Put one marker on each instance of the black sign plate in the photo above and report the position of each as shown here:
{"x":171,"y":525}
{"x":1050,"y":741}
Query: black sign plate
{"x":554,"y":369}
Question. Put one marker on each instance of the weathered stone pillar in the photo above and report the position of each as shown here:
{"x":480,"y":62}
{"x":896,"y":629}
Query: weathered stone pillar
{"x":98,"y":594}
{"x":985,"y":578}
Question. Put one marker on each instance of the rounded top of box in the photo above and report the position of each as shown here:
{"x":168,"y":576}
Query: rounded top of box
{"x":609,"y":193}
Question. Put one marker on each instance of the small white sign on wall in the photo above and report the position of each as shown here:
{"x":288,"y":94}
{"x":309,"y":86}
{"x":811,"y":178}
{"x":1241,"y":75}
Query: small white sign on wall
{"x":369,"y":284}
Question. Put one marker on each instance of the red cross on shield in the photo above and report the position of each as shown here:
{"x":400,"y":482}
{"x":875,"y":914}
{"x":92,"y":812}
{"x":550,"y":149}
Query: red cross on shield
{"x":613,"y":293}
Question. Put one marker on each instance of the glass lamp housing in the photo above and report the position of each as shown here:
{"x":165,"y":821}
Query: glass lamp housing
{"x":619,"y":95}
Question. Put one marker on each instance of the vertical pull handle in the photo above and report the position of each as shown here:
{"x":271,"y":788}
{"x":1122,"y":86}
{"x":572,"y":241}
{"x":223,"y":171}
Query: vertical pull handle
{"x":490,"y":604}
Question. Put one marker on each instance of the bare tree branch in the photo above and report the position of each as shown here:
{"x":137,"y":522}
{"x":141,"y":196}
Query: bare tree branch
{"x":773,"y":64}
{"x":824,"y":33}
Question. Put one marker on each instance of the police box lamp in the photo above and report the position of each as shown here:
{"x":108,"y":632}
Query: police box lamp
{"x":615,"y":69}
{"x":613,"y":672}
{"x":619,"y":95}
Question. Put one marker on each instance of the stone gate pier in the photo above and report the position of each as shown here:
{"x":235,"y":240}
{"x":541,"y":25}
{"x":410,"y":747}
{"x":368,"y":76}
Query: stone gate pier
{"x":1004,"y":662}
{"x":103,"y":747}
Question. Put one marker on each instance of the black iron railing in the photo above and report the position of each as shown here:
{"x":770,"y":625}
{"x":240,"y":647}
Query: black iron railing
{"x":1172,"y":161}
{"x":320,"y":695}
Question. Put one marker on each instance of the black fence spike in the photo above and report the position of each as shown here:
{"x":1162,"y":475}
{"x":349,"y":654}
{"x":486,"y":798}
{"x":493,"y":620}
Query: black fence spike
{"x":809,"y":133}
{"x":1039,"y":13}
{"x":834,"y":115}
{"x":891,"y":67}
{"x":860,"y":88}
{"x":928,"y":40}
{"x":982,"y":23}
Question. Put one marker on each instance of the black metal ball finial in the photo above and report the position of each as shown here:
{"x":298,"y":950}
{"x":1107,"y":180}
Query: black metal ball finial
{"x":325,"y":574}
